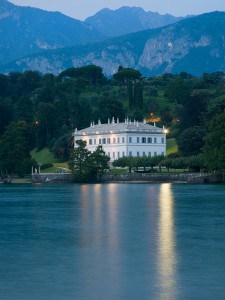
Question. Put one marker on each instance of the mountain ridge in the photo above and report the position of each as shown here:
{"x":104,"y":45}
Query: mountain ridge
{"x":193,"y":45}
{"x":23,"y":31}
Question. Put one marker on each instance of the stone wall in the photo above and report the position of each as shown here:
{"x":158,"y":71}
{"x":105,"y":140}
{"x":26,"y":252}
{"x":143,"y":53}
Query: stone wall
{"x":52,"y":177}
{"x":146,"y":177}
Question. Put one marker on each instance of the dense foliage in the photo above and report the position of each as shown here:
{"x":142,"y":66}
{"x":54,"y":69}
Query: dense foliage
{"x":42,"y":110}
{"x":88,"y":166}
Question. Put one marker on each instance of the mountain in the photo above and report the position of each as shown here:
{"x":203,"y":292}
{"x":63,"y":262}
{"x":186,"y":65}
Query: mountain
{"x":126,"y":20}
{"x":194,"y":45}
{"x":26,"y":30}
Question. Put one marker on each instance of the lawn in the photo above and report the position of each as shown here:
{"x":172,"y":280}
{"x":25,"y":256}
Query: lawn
{"x":171,"y":146}
{"x":46,"y":156}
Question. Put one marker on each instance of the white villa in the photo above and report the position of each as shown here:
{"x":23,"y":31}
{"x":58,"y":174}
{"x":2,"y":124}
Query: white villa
{"x":130,"y":138}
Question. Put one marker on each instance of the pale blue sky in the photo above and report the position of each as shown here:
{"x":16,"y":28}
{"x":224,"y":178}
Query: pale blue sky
{"x":80,"y":9}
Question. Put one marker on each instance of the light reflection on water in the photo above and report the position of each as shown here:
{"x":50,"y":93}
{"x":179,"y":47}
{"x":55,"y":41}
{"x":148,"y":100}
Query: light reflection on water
{"x":167,"y":248}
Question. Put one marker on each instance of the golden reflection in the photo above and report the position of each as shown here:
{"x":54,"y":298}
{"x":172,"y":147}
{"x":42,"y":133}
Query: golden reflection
{"x":167,"y":254}
{"x":97,"y":202}
{"x":113,"y":214}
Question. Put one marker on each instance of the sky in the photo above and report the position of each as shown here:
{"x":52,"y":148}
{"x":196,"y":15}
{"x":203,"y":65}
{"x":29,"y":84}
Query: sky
{"x":81,"y":9}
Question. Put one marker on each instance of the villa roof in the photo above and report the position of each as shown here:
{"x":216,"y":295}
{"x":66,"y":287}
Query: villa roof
{"x":116,"y":127}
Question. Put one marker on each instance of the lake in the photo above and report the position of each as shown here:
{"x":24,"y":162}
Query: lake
{"x":112,"y":241}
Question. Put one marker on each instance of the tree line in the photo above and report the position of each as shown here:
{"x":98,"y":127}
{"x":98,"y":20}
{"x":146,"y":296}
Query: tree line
{"x":41,"y":110}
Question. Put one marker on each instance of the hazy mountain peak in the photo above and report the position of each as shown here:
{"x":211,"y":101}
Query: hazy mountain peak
{"x":128,"y":19}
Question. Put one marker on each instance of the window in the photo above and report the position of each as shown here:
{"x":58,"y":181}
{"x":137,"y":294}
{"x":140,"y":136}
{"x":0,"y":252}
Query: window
{"x":123,"y":154}
{"x":130,"y":139}
{"x":144,"y":154}
{"x":138,"y":154}
{"x":100,"y":141}
{"x":149,"y":154}
{"x":114,"y":140}
{"x":108,"y":141}
{"x":163,"y":153}
{"x":123,"y":140}
{"x":130,"y":153}
{"x":155,"y":153}
{"x":155,"y":140}
{"x":95,"y":141}
{"x":138,"y":140}
{"x":113,"y":154}
{"x":143,"y":140}
{"x":162,"y":140}
{"x":118,"y":140}
{"x":104,"y":141}
{"x":149,"y":140}
{"x":109,"y":154}
{"x":90,"y":142}
{"x":118,"y":155}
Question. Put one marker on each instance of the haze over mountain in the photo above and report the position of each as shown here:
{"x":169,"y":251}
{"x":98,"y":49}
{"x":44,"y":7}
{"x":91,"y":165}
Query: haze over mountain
{"x":194,"y":45}
{"x":26,"y":30}
{"x":126,"y":20}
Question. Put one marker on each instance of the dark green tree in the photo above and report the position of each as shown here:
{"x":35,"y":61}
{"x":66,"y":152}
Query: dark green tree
{"x":138,"y":95}
{"x":191,"y":141}
{"x":15,"y":149}
{"x":99,"y":161}
{"x":214,"y":149}
{"x":81,"y":162}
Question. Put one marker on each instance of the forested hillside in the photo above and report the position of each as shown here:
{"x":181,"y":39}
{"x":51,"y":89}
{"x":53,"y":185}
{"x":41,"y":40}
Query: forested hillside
{"x":38,"y":111}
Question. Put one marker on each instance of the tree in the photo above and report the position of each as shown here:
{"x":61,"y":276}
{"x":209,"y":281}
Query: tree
{"x":99,"y":161}
{"x":62,"y":147}
{"x":191,"y":141}
{"x":88,"y":166}
{"x":15,"y":149}
{"x":109,"y":108}
{"x":81,"y":161}
{"x":138,"y":95}
{"x":125,"y":74}
{"x":214,"y":149}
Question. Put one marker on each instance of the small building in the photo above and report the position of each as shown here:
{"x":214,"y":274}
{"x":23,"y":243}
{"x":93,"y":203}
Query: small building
{"x":130,"y":138}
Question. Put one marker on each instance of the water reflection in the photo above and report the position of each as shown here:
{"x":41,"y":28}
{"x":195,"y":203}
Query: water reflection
{"x":166,"y":254}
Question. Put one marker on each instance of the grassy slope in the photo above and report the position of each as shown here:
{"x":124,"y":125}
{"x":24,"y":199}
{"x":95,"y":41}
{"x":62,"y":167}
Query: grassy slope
{"x":46,"y":156}
{"x":171,"y":146}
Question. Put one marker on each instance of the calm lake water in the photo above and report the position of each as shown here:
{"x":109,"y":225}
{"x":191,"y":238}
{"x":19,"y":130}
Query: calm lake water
{"x":112,"y":241}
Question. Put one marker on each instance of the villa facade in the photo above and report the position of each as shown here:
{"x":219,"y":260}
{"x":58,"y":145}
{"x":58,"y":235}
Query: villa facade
{"x":130,"y":138}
